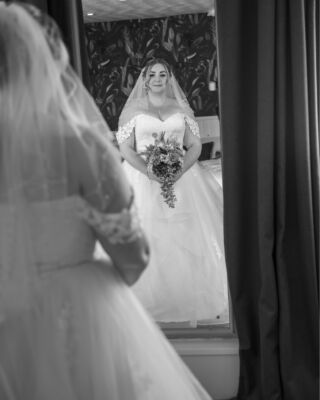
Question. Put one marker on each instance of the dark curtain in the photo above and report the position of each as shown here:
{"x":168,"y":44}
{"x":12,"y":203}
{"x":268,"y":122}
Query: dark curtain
{"x":69,"y":16}
{"x":268,"y":56}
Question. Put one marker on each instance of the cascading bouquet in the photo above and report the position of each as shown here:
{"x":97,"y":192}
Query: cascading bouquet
{"x":165,"y":159}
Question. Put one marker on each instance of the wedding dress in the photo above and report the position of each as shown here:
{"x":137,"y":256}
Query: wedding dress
{"x":70,"y":328}
{"x":86,"y":336}
{"x":186,"y":280}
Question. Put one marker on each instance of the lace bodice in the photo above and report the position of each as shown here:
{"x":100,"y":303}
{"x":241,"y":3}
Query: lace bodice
{"x":62,"y":234}
{"x":147,"y":127}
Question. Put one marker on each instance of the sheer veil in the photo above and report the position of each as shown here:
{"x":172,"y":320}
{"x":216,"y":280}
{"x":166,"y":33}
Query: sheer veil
{"x":43,"y":108}
{"x":138,"y":99}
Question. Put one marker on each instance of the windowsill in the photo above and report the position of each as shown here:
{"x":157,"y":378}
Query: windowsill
{"x":206,"y":347}
{"x":215,"y":363}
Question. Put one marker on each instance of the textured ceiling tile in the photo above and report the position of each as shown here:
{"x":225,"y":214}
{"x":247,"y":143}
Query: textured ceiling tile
{"x":117,"y":10}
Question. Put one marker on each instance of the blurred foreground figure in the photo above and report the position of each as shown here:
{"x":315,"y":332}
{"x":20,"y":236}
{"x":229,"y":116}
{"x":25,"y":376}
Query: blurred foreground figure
{"x":70,"y":327}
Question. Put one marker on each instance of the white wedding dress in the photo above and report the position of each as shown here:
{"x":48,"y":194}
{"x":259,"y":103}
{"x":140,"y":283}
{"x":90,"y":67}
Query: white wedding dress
{"x":186,"y":280}
{"x":86,"y":336}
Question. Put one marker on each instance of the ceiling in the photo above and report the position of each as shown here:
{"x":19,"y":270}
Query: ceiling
{"x":116,"y":10}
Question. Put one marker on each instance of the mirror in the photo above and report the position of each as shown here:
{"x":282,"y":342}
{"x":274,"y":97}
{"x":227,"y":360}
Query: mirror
{"x":186,"y":290}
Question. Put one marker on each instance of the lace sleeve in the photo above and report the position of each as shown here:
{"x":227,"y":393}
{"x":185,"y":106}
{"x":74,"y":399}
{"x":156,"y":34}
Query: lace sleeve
{"x":118,"y":228}
{"x":125,"y":131}
{"x":193,"y":125}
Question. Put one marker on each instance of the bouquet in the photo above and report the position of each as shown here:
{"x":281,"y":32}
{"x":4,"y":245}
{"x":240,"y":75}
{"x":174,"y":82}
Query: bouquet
{"x":165,"y":159}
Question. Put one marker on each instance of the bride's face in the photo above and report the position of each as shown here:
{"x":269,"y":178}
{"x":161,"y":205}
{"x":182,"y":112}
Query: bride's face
{"x":158,"y":78}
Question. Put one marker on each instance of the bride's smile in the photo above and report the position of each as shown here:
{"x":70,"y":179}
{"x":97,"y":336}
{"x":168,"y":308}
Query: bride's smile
{"x":158,"y":78}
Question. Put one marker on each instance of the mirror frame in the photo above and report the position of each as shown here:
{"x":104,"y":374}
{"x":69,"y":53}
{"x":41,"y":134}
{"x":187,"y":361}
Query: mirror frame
{"x":227,"y":331}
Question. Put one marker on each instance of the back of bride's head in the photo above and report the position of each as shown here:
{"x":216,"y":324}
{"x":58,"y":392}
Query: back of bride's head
{"x":30,"y":72}
{"x":37,"y":79}
{"x":45,"y":110}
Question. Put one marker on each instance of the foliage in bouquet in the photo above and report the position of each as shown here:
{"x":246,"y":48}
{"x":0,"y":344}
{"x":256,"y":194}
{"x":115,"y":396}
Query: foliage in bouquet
{"x":165,"y":159}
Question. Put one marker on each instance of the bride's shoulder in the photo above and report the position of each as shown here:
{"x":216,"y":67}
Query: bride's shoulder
{"x":172,"y":103}
{"x":174,"y":108}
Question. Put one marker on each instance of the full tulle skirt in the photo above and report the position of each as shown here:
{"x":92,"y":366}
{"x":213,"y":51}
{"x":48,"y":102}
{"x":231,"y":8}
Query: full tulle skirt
{"x":87,"y":337}
{"x":186,"y":280}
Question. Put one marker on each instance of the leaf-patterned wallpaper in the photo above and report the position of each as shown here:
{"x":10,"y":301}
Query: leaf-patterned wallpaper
{"x":117,"y":51}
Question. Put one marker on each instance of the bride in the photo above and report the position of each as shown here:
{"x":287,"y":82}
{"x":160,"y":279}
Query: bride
{"x":70,"y":328}
{"x":186,"y":280}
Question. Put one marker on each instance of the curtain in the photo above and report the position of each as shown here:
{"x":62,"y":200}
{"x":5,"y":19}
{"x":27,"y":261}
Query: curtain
{"x":69,"y":16}
{"x":268,"y":56}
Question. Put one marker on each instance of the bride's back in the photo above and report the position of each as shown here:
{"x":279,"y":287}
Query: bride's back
{"x":46,"y":161}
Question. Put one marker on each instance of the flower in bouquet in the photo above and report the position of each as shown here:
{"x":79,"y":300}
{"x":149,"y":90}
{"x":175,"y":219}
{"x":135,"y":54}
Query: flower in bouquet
{"x":165,"y":159}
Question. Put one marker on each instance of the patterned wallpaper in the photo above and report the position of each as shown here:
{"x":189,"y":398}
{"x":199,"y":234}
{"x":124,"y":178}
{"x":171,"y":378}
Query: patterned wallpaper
{"x":117,"y":51}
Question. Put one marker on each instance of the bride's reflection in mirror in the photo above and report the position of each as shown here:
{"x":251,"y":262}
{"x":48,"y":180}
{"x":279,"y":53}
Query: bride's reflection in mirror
{"x":153,"y":85}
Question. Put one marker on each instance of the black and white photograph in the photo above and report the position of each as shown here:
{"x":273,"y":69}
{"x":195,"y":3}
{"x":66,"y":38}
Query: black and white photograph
{"x":159,"y":199}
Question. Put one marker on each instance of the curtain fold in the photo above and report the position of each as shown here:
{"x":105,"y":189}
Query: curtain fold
{"x":69,"y":16}
{"x":269,"y":102}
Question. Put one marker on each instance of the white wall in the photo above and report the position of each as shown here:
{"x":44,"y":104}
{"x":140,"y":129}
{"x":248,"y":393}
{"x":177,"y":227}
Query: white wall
{"x":215,"y":362}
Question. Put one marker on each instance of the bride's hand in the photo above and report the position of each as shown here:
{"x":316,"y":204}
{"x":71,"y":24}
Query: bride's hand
{"x":178,"y":175}
{"x":152,"y":176}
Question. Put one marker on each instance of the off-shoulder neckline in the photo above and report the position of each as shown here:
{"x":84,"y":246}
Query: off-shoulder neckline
{"x":157,"y":118}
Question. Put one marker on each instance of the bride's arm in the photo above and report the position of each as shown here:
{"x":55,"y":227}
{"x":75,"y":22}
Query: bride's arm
{"x":108,"y":192}
{"x":131,"y":156}
{"x":193,"y":145}
{"x":129,"y":257}
{"x":125,"y":137}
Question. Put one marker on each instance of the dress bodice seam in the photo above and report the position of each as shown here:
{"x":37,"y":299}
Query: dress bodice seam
{"x":155,"y":117}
